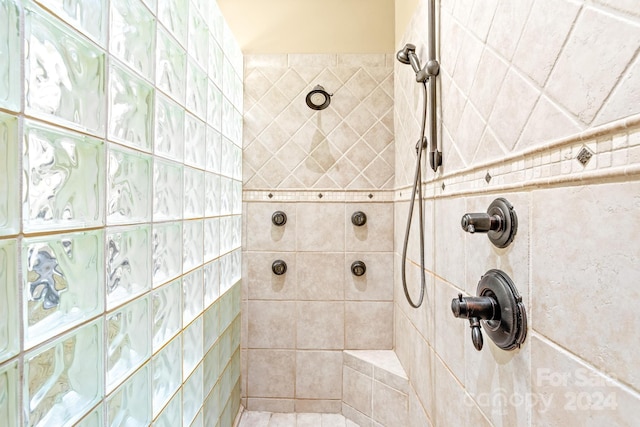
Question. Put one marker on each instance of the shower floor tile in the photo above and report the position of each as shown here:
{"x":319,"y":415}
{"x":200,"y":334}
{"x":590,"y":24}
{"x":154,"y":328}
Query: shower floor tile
{"x":268,"y":419}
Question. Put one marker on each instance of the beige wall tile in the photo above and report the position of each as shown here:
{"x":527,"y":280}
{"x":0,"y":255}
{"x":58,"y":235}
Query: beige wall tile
{"x":582,"y":84}
{"x":357,"y":390}
{"x":355,"y":417}
{"x":368,"y":325}
{"x":270,"y":405}
{"x":319,"y":375}
{"x":325,"y":407}
{"x":389,"y":406}
{"x":543,"y":37}
{"x":580,"y":289}
{"x":262,"y":283}
{"x":320,"y":325}
{"x":376,"y":234}
{"x":272,"y":324}
{"x":271,"y":373}
{"x":320,"y":227}
{"x":320,"y":276}
{"x":377,"y":282}
{"x":567,"y":391}
{"x":262,"y":235}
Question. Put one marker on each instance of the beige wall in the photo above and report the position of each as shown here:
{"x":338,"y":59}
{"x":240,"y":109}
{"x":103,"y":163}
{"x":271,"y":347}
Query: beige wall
{"x":404,"y":10}
{"x":310,"y":26}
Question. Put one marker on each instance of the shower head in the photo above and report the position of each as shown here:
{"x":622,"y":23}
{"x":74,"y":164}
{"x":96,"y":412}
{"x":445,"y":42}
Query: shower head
{"x":407,"y":55}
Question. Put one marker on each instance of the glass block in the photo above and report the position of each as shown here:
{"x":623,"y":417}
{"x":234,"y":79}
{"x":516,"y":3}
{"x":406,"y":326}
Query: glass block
{"x":9,"y":393}
{"x":167,"y":190}
{"x":201,"y":5}
{"x":212,"y":196}
{"x":152,"y":5}
{"x":227,"y":118}
{"x":172,"y":414}
{"x":192,"y":347}
{"x":236,"y":231}
{"x":228,"y":78}
{"x":10,"y":52}
{"x":226,"y":196}
{"x":197,"y":86}
{"x":214,"y":106}
{"x":224,"y":348}
{"x":192,"y":244}
{"x":226,"y":234}
{"x":171,"y":65}
{"x":128,"y":186}
{"x":169,"y":129}
{"x":64,"y":179}
{"x":214,"y":147}
{"x":198,"y":46}
{"x":174,"y":15}
{"x":216,"y":22}
{"x":236,"y":208}
{"x":211,"y":333}
{"x":10,"y":178}
{"x":237,"y":93}
{"x":130,"y":109}
{"x":63,"y":380}
{"x":62,"y":282}
{"x":167,"y":252}
{"x":128,"y":263}
{"x":211,"y":283}
{"x":192,"y":396}
{"x":130,"y":405}
{"x":94,"y":419}
{"x":9,"y":323}
{"x":166,"y":378}
{"x":211,"y":238}
{"x":226,"y":273}
{"x":236,"y":266}
{"x":236,"y":129}
{"x":167,"y":313}
{"x":216,"y":58}
{"x":227,"y":158}
{"x":195,"y":137}
{"x":212,"y":408}
{"x":193,"y":193}
{"x":64,"y":74}
{"x":132,"y":35}
{"x":199,"y":420}
{"x":88,"y":17}
{"x":192,"y":296}
{"x":128,"y":340}
{"x":237,"y":169}
{"x":236,"y":326}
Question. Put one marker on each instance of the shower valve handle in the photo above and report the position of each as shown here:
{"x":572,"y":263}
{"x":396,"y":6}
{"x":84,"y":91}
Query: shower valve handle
{"x":474,"y":309}
{"x":499,"y":222}
{"x":481,"y":222}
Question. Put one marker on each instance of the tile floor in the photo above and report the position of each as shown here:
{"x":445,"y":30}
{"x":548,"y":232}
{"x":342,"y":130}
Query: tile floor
{"x":268,"y":419}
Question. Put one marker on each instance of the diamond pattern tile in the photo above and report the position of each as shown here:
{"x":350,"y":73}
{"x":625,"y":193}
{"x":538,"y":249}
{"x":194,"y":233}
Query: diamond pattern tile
{"x":289,"y":146}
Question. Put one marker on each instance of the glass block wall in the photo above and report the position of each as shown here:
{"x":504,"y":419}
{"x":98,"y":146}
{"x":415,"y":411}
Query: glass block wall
{"x":120,"y":213}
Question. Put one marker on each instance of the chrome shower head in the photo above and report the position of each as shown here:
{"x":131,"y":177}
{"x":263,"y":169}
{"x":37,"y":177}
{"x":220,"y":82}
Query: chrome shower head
{"x":407,"y":55}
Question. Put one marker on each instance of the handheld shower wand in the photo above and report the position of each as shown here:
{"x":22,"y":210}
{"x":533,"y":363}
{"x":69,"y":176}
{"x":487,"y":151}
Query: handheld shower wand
{"x":407,"y":55}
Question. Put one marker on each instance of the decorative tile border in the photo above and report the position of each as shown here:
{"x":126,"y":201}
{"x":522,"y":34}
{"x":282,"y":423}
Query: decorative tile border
{"x":316,"y":196}
{"x":614,"y":149}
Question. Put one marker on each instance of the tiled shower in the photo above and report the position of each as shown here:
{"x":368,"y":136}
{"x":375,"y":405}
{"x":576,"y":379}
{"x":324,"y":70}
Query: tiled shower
{"x":120,"y":203}
{"x":143,"y":157}
{"x":538,"y":103}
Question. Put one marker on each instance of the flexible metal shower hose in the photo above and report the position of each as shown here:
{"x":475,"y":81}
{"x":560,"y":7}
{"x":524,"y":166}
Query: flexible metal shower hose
{"x":417,"y":188}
